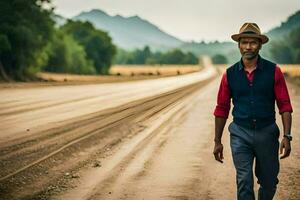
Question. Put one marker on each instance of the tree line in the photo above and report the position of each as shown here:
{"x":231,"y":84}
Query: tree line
{"x":287,"y":50}
{"x":146,"y":56}
{"x":31,"y":42}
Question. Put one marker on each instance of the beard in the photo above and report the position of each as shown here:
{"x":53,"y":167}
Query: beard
{"x":250,"y":55}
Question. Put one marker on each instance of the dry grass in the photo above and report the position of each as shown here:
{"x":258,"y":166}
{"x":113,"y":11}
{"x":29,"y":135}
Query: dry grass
{"x":123,"y":73}
{"x":222,"y":67}
{"x":119,"y":73}
{"x":290,"y":70}
{"x":292,"y":73}
{"x":165,"y":70}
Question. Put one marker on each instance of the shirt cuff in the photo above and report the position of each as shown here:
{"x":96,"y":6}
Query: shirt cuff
{"x":221,"y":113}
{"x":286,"y":108}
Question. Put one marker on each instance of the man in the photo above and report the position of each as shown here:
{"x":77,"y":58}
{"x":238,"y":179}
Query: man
{"x":253,"y":84}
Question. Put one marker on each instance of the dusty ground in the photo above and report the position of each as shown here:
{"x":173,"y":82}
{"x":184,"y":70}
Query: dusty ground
{"x":49,"y":132}
{"x":166,"y":70}
{"x":177,"y":163}
{"x":118,"y":73}
{"x":49,"y":79}
{"x":156,"y":148}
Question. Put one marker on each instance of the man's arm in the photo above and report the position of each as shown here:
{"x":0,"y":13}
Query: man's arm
{"x":285,"y":109}
{"x":219,"y":127}
{"x":285,"y":142}
{"x":221,"y":114}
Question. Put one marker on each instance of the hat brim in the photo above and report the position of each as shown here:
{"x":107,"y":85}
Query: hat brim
{"x":236,"y":37}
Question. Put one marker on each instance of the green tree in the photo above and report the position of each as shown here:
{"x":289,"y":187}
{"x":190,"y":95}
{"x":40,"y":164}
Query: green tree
{"x":145,"y":56}
{"x":5,"y":48}
{"x":97,"y":44}
{"x":219,"y":59}
{"x":121,"y":56}
{"x":173,"y":57}
{"x":190,"y":58}
{"x":295,"y":44}
{"x":25,"y":28}
{"x":157,"y":57}
{"x":296,"y":56}
{"x":282,"y":52}
{"x":66,"y":55}
{"x":294,"y":38}
{"x":287,"y":50}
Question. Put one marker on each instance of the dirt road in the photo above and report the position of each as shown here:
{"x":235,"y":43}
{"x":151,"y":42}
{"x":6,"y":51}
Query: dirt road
{"x":23,"y":109}
{"x":156,"y":148}
{"x":177,"y":163}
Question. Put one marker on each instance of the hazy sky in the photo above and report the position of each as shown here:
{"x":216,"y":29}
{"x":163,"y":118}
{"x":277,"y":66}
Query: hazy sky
{"x":191,"y":19}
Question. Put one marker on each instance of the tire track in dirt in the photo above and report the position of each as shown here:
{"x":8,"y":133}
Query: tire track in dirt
{"x":36,"y":105}
{"x":151,"y":105}
{"x":169,"y":166}
{"x":289,"y":176}
{"x":118,"y":163}
{"x":177,"y":163}
{"x":32,"y":121}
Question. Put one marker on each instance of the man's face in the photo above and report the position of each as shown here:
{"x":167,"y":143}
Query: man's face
{"x":249,"y":47}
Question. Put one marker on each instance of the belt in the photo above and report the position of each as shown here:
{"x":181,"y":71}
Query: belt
{"x":254,"y":123}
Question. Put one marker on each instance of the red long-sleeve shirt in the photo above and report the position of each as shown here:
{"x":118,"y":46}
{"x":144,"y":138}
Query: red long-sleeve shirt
{"x":280,"y":90}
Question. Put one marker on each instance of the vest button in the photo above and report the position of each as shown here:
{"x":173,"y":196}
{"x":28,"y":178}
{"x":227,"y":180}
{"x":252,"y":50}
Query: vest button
{"x":251,"y":84}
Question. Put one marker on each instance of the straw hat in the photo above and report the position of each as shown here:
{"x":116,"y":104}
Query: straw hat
{"x":250,"y":30}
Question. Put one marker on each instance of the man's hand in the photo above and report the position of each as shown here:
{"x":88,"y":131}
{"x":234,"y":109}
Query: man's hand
{"x":286,"y":145}
{"x":218,"y":152}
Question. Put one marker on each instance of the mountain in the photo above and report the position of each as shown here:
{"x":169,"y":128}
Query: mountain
{"x":134,"y":32}
{"x":59,"y":20}
{"x":130,"y":32}
{"x":280,"y":34}
{"x":292,"y":22}
{"x":230,"y":50}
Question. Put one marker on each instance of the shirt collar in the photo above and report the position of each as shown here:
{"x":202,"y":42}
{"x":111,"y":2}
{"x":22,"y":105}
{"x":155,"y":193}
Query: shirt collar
{"x":259,"y":63}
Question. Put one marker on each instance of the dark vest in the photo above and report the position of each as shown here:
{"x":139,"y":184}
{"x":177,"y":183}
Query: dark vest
{"x":254,"y":103}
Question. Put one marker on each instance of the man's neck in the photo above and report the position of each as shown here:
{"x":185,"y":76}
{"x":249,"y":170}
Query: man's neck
{"x":251,"y":64}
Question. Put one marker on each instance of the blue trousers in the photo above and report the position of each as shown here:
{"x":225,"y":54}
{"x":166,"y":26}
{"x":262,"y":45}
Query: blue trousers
{"x":261,"y":146}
